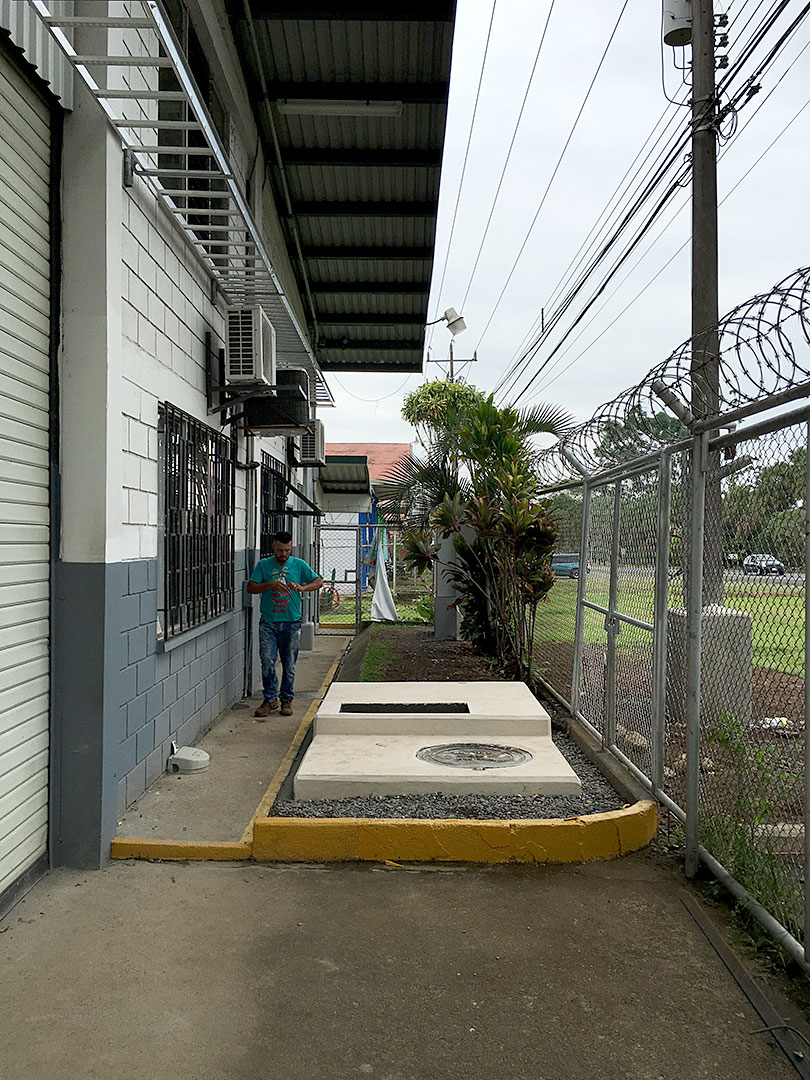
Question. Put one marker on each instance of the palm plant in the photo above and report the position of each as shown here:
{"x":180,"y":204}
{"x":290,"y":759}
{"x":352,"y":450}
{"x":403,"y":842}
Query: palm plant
{"x":477,"y":485}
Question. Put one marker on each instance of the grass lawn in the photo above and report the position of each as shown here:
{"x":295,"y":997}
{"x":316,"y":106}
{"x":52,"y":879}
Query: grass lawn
{"x":777,"y":613}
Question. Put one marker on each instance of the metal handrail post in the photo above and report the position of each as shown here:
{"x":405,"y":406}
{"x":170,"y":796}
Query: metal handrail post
{"x":611,"y":624}
{"x":660,"y":602}
{"x":694,"y":628}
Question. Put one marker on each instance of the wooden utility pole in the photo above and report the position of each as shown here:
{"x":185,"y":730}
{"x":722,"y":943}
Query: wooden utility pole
{"x":705,"y":346}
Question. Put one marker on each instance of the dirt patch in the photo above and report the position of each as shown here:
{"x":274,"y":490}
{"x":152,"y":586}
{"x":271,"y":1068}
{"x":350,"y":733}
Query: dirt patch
{"x":412,"y":654}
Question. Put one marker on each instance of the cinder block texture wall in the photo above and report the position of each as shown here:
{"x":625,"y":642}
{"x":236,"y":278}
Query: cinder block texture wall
{"x":137,"y":307}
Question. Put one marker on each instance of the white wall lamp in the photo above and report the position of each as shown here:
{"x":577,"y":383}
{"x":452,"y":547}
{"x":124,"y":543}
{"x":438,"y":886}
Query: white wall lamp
{"x":455,"y":323}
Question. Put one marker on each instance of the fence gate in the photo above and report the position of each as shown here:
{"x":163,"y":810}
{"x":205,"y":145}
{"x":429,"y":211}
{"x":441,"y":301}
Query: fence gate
{"x":348,"y":561}
{"x":340,"y":566}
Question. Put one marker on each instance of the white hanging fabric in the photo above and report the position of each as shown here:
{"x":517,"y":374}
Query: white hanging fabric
{"x":383,"y":608}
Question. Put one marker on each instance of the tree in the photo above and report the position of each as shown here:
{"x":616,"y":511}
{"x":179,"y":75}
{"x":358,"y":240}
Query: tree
{"x":434,"y":406}
{"x":479,"y":477}
{"x":638,"y":434}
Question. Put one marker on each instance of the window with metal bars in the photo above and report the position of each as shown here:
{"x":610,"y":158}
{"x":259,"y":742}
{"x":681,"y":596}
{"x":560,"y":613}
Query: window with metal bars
{"x":276,"y":515}
{"x":198,"y":521}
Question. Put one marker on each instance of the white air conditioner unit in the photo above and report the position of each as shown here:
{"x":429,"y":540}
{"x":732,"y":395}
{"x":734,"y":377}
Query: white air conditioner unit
{"x":250,"y":346}
{"x":313,"y":448}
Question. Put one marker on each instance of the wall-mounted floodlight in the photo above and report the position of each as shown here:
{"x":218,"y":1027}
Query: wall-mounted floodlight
{"x":315,"y":107}
{"x":455,"y":323}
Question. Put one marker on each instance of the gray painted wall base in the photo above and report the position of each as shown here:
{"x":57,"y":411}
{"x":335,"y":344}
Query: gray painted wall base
{"x":118,"y":703}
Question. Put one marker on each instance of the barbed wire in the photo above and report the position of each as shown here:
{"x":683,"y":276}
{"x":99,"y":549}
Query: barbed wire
{"x":763,"y":351}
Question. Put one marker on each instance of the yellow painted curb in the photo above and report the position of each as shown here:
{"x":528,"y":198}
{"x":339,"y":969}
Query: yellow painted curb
{"x":542,"y":840}
{"x":167,"y":850}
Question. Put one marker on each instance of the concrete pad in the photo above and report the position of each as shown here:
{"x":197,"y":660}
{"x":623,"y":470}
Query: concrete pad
{"x":339,"y":766}
{"x":509,"y":708}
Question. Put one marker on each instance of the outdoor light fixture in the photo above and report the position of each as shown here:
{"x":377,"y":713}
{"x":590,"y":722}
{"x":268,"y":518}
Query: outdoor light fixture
{"x":455,"y":323}
{"x":677,"y":22}
{"x":329,"y":107}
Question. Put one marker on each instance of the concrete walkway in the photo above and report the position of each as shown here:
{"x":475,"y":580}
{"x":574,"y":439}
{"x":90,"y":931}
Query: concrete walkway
{"x":244,"y":971}
{"x":250,"y":972}
{"x":245,"y":752}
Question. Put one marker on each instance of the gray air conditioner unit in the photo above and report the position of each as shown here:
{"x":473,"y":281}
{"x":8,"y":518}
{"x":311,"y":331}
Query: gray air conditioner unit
{"x":287,"y":412}
{"x":313,"y":448}
{"x":250,"y":346}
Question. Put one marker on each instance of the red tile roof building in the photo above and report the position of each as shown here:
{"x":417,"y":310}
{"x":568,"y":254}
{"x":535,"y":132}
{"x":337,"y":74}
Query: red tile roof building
{"x":382,"y":457}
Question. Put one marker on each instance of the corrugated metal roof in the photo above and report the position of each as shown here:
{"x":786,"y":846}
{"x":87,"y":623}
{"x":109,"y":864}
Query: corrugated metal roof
{"x":363,"y":187}
{"x":345,"y":475}
{"x":382,"y":458}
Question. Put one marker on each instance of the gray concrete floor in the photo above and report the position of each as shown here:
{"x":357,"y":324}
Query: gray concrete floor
{"x":245,"y":752}
{"x":246,"y":972}
{"x":239,"y":971}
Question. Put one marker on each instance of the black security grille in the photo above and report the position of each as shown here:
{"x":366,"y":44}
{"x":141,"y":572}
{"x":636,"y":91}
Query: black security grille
{"x":198,"y":554}
{"x":276,"y":514}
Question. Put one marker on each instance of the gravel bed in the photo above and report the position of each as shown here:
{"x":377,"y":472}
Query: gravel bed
{"x":597,"y":797}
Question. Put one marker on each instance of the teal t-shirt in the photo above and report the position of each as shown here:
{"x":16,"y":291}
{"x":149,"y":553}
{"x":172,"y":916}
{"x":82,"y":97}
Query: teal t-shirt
{"x":276,"y":607}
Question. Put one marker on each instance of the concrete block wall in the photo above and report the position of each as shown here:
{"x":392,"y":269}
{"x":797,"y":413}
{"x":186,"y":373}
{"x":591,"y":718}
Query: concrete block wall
{"x":174,"y":695}
{"x":167,"y":310}
{"x":137,"y":305}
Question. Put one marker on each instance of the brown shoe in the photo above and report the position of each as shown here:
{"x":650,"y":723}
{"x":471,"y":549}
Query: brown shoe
{"x":266,"y":708}
{"x":286,"y":708}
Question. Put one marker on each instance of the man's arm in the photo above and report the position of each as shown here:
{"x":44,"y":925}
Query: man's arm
{"x":268,"y":586}
{"x":313,"y":586}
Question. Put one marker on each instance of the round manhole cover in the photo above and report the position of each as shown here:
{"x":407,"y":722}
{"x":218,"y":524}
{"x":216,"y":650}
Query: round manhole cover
{"x":474,"y":755}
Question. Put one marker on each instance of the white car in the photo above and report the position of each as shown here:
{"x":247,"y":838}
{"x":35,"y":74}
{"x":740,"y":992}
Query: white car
{"x":762,"y":564}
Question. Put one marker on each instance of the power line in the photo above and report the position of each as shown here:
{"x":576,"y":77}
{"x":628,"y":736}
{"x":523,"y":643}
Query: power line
{"x":553,"y":175}
{"x":508,"y":155}
{"x":599,"y":227}
{"x":463,"y":169}
{"x":728,"y":194}
{"x":373,"y":401}
{"x":766,"y":23}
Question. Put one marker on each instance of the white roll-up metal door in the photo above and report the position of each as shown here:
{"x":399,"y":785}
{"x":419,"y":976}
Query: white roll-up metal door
{"x":25,"y":183}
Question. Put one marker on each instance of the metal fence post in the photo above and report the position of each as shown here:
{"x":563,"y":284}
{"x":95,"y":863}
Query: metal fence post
{"x":612,"y":624}
{"x":660,"y":602}
{"x":582,"y":584}
{"x":358,"y":586}
{"x":806,"y":808}
{"x":584,"y":542}
{"x":694,"y":627}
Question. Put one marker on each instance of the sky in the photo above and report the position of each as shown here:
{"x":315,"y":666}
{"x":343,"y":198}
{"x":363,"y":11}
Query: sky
{"x":764,"y":223}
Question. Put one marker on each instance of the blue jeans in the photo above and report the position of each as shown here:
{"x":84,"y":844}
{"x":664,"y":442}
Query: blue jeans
{"x":279,"y":641}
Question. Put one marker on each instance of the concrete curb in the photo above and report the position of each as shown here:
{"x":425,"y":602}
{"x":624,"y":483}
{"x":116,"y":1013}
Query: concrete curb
{"x":167,"y":850}
{"x":543,"y":840}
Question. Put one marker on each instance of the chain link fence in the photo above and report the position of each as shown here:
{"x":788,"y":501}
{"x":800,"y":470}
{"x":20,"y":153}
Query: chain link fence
{"x":681,"y":639}
{"x":350,"y":557}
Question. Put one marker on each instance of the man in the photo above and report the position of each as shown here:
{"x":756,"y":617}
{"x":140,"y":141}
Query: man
{"x":280,"y":580}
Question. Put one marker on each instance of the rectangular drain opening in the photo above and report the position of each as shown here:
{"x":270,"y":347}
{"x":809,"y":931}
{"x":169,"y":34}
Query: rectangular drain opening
{"x":406,"y":709}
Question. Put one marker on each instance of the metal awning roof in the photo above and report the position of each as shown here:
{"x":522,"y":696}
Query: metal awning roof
{"x":195,"y":181}
{"x":352,"y":103}
{"x":345,"y":476}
